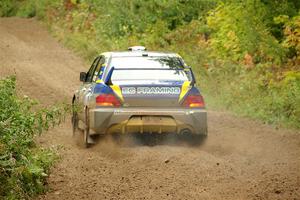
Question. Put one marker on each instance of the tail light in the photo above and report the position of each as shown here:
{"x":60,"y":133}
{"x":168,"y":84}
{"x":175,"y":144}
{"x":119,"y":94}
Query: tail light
{"x":194,"y":101}
{"x":107,"y":100}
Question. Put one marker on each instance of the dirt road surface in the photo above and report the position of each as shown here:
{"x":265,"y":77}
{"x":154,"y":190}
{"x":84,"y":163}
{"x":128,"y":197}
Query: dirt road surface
{"x":242,"y":159}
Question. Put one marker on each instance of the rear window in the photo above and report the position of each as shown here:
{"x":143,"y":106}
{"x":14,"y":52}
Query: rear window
{"x":147,"y":62}
{"x":148,"y":74}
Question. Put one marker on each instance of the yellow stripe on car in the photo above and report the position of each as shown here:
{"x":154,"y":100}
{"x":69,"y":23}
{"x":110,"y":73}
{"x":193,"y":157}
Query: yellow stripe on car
{"x":117,"y":91}
{"x":184,"y":89}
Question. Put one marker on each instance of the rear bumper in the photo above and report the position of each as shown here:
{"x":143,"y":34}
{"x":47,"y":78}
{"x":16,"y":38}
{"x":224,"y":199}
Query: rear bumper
{"x":150,"y":120}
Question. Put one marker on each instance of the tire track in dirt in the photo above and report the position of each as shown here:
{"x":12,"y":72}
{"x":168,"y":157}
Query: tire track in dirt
{"x":242,"y":159}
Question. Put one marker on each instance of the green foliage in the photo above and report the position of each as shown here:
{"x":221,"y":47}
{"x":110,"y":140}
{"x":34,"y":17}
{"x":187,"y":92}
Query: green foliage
{"x":8,"y":8}
{"x":23,"y":165}
{"x":125,"y":17}
{"x":27,"y":8}
{"x":256,"y":93}
{"x":239,"y":29}
{"x":291,"y":33}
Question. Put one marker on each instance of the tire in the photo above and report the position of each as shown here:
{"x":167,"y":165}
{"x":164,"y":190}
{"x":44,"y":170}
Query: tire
{"x":80,"y":134}
{"x":74,"y":121}
{"x":86,"y":130}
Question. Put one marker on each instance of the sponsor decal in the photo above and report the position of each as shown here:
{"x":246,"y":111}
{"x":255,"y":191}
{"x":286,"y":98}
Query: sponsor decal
{"x":150,"y":90}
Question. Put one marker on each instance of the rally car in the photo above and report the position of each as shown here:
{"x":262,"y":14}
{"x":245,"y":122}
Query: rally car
{"x":138,"y":91}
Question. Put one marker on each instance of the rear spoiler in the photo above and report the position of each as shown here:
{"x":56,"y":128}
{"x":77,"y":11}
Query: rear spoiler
{"x":107,"y":80}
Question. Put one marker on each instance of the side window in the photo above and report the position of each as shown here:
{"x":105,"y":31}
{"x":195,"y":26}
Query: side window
{"x":99,"y":69}
{"x":91,"y":70}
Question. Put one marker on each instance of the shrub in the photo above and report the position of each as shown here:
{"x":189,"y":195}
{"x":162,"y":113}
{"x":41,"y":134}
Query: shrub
{"x":8,"y":8}
{"x":26,"y":9}
{"x":239,"y":30}
{"x":23,"y":165}
{"x":291,"y":33}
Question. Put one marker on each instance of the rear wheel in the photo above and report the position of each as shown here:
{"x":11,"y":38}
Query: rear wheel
{"x":74,"y":121}
{"x":81,"y":133}
{"x":86,"y":129}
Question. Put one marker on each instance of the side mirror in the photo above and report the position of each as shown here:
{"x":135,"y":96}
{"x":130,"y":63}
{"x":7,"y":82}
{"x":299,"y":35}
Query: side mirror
{"x":82,"y":76}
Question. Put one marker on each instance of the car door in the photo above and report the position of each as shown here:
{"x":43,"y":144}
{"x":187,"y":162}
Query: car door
{"x":94,"y":75}
{"x":86,"y":88}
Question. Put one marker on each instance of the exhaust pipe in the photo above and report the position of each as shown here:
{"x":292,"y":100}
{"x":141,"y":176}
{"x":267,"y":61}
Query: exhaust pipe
{"x":185,"y":131}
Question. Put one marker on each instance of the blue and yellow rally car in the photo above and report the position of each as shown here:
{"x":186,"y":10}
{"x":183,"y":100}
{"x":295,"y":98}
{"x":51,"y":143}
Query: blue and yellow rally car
{"x":139,"y":91}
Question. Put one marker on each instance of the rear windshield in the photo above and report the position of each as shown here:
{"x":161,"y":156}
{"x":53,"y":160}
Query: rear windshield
{"x":148,"y":74}
{"x":147,"y":62}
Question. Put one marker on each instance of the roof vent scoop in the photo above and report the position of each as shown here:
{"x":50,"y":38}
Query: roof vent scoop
{"x":137,"y":48}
